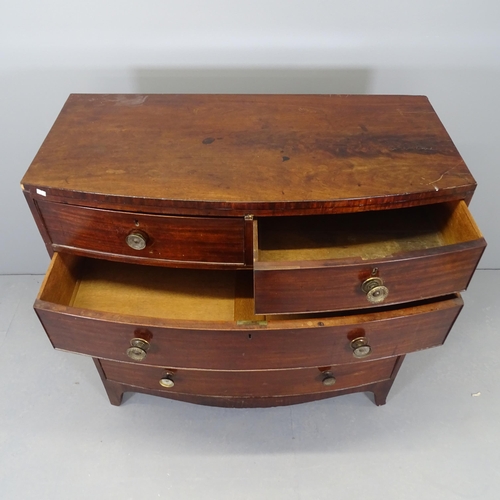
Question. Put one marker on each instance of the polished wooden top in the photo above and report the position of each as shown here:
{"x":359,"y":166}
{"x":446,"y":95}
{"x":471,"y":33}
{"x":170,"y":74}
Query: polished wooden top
{"x":258,"y":154}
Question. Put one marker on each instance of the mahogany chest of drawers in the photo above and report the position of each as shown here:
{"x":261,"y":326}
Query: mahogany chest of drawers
{"x":251,"y":250}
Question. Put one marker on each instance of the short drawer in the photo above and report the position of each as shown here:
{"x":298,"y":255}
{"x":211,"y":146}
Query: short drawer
{"x":249,"y":383}
{"x":365,"y":259}
{"x":203,"y":319}
{"x":144,"y":238}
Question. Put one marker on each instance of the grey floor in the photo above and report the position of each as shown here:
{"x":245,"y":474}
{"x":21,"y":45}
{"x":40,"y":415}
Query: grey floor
{"x":438,"y":437}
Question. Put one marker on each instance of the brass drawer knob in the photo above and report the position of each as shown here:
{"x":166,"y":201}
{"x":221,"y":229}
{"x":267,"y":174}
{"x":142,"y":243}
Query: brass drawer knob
{"x":138,"y":349}
{"x":137,"y":240}
{"x":360,"y":347}
{"x":375,"y":290}
{"x":328,"y":379}
{"x":167,"y":381}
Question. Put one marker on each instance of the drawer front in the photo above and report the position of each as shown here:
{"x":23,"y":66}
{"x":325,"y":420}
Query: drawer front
{"x":435,"y":262}
{"x":339,"y":287}
{"x":279,"y":344}
{"x":250,"y":383}
{"x":166,"y":238}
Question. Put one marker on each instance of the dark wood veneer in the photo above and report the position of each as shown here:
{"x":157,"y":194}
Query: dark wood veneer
{"x":239,"y":154}
{"x":216,"y":184}
{"x":169,"y":239}
{"x":255,"y":383}
{"x":337,"y":286}
{"x":228,"y":346}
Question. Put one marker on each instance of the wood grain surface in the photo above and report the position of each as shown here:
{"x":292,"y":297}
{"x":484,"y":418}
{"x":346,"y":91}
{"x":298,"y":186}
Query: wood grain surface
{"x":256,"y":383}
{"x":416,"y":257}
{"x":194,"y":321}
{"x":182,"y":241}
{"x":239,"y":154}
{"x":205,"y":182}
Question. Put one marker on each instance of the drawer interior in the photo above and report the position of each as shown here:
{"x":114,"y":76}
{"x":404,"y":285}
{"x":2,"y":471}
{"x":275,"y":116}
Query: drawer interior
{"x":157,"y":292}
{"x":367,"y":235}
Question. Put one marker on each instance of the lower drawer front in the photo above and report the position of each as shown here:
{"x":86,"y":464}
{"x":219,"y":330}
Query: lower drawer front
{"x":260,"y":383}
{"x":290,"y":344}
{"x":85,"y":307}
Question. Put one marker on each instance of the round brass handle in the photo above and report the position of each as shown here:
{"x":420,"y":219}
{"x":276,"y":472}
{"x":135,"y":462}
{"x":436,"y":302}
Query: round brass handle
{"x":167,"y":381}
{"x":375,"y":290}
{"x":360,"y":347}
{"x":138,"y":349}
{"x":137,"y":240}
{"x":328,"y":379}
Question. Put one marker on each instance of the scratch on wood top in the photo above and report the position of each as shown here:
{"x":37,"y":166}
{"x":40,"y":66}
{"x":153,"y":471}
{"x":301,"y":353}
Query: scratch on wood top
{"x":441,"y":176}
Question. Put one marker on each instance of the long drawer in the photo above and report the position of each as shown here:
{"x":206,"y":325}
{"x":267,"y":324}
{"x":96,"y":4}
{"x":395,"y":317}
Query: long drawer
{"x":204,"y":319}
{"x":359,"y":260}
{"x":249,"y":383}
{"x":144,"y":238}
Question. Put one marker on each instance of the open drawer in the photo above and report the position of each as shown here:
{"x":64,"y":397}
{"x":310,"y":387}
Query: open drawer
{"x":366,"y":259}
{"x":184,"y":318}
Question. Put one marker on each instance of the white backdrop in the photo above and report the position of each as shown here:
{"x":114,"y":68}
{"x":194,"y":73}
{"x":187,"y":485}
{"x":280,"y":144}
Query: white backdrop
{"x":448,"y":50}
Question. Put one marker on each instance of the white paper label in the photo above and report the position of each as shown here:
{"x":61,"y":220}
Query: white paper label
{"x":40,"y":192}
